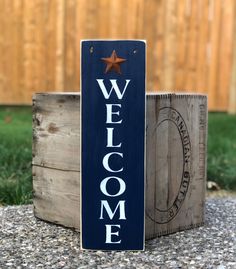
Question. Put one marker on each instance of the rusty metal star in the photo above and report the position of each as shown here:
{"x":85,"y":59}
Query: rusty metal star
{"x":113,"y":63}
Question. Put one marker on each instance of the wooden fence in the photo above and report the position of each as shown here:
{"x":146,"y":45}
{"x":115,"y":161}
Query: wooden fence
{"x":190,"y":44}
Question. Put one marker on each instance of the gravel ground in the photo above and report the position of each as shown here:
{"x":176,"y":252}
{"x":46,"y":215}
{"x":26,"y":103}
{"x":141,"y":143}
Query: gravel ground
{"x":26,"y":242}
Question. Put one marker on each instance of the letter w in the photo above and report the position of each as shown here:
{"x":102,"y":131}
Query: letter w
{"x":111,"y":214}
{"x":114,"y":86}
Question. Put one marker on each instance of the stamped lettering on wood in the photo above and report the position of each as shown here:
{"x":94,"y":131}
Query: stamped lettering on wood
{"x":168,"y":115}
{"x":113,"y":145}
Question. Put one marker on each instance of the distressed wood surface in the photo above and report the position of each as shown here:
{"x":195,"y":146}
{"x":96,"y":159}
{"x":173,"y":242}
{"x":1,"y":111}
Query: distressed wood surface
{"x":176,"y":163}
{"x":175,"y":169}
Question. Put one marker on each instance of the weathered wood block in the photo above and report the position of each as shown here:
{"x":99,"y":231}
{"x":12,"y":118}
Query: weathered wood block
{"x":175,"y":166}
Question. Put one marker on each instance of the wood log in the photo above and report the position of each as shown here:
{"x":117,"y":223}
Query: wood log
{"x":175,"y":167}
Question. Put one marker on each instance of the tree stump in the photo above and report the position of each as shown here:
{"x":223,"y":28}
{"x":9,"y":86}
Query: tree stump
{"x":176,"y":143}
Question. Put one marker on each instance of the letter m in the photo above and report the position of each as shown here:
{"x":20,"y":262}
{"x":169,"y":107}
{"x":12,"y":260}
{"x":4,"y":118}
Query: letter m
{"x":114,"y":87}
{"x":120,"y":205}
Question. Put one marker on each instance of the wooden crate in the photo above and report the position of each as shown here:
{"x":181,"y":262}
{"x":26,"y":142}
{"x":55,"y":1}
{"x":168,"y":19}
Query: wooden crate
{"x":175,"y":166}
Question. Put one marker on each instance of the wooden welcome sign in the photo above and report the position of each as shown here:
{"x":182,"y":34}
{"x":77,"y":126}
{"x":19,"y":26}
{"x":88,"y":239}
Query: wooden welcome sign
{"x":112,"y":145}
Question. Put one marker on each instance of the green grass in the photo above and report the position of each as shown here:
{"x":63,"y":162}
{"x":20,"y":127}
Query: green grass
{"x":222,"y":150}
{"x":15,"y":153}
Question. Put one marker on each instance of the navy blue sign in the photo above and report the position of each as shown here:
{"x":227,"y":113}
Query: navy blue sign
{"x":113,"y":145}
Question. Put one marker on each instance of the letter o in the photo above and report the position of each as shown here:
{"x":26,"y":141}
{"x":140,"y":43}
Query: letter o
{"x":103,"y":186}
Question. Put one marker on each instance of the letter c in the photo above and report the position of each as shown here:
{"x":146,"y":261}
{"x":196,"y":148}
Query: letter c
{"x":106,"y":159}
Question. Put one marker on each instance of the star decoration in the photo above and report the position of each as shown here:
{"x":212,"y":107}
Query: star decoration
{"x":113,"y":63}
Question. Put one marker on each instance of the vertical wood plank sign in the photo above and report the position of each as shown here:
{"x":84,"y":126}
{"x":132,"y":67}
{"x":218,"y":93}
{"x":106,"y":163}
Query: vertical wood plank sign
{"x":113,"y":145}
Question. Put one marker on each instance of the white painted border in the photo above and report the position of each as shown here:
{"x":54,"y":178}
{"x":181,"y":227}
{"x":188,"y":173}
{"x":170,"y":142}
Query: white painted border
{"x":145,"y":141}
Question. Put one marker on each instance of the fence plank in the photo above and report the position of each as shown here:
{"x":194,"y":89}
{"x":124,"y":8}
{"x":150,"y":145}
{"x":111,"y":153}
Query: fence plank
{"x":147,"y":33}
{"x":40,"y":43}
{"x":181,"y":44}
{"x":215,"y":21}
{"x":70,"y":39}
{"x":192,"y":45}
{"x":202,"y":66}
{"x":29,"y":49}
{"x":51,"y":40}
{"x":169,"y":39}
{"x":225,"y":54}
{"x":60,"y":45}
{"x":232,"y":92}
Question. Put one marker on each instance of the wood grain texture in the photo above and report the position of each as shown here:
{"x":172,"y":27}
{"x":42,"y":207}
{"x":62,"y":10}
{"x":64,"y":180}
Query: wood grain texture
{"x":202,"y":59}
{"x":232,"y":93}
{"x":175,"y":169}
{"x":190,"y":44}
{"x":225,"y":53}
{"x":56,"y":196}
{"x":60,"y":46}
{"x":56,"y":131}
{"x":215,"y":19}
{"x":176,"y":162}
